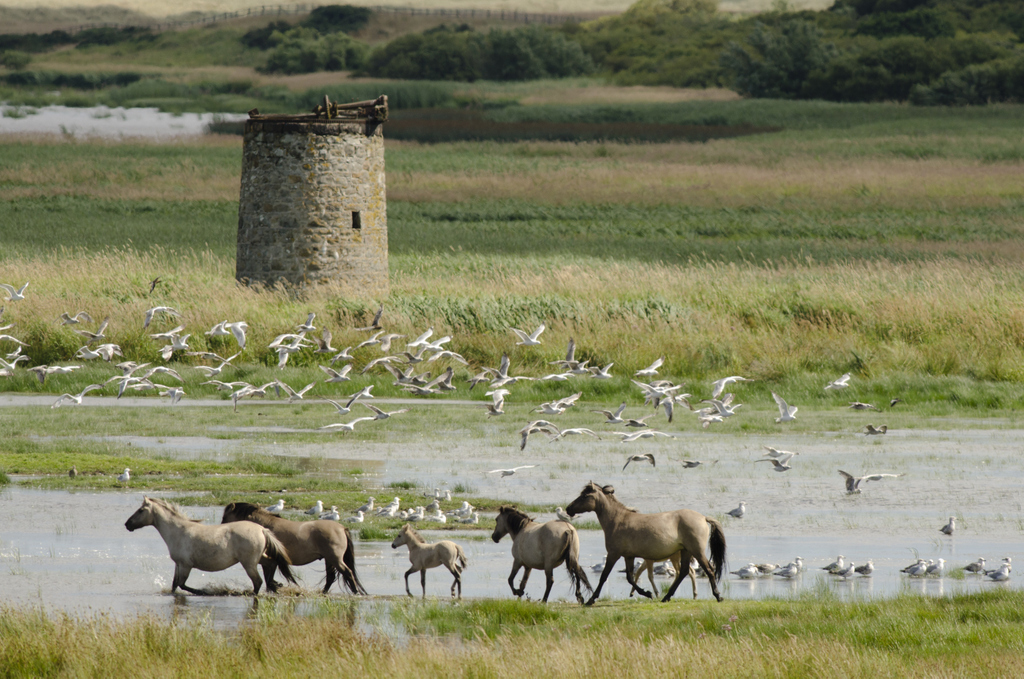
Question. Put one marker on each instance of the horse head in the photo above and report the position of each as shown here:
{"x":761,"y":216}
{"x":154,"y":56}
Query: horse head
{"x":238,"y":511}
{"x":510,"y":521}
{"x":588,"y":499}
{"x":143,"y":516}
{"x":403,"y":536}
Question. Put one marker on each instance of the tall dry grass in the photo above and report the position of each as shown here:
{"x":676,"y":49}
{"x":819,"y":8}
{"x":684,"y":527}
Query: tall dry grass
{"x":964,"y":636}
{"x":939,"y":317}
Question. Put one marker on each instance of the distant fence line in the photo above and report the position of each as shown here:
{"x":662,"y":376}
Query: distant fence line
{"x":285,"y":10}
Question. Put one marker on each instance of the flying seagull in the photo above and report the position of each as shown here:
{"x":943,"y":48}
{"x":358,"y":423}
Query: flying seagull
{"x":530,"y":340}
{"x":841,"y":383}
{"x":510,"y":472}
{"x":853,"y":482}
{"x":646,"y":457}
{"x":787,"y":413}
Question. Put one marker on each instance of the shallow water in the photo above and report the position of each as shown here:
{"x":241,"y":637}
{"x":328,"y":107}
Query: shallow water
{"x":66,"y":551}
{"x":101,"y":121}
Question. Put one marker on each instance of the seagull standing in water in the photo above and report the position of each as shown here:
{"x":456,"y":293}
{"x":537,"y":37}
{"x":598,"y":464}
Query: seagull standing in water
{"x":317,"y":509}
{"x":976,"y":567}
{"x":277,"y":507}
{"x":949,"y":527}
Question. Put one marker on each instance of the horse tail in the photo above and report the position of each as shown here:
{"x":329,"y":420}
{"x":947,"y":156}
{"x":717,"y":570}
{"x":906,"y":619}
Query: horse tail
{"x":348,"y":575}
{"x":571,"y":555}
{"x":717,"y":543}
{"x":276,"y":552}
{"x":460,"y":558}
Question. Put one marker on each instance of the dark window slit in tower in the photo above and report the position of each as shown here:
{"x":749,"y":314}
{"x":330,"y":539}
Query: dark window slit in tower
{"x":357,"y":220}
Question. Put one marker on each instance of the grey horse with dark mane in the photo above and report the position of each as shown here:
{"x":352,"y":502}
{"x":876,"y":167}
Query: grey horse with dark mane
{"x":633,"y":535}
{"x":306,"y":542}
{"x":540,"y":545}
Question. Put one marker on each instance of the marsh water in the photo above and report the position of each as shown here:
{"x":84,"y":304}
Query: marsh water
{"x":101,"y":121}
{"x":69,"y":551}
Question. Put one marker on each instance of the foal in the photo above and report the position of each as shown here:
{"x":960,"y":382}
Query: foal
{"x":423,"y":556}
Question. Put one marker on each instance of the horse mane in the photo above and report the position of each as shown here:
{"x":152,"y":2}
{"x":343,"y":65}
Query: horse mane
{"x":174,"y":509}
{"x":412,"y":531}
{"x":516,"y":519}
{"x":609,"y":492}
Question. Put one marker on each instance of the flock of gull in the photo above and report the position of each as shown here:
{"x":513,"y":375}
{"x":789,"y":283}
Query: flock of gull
{"x":423,"y":353}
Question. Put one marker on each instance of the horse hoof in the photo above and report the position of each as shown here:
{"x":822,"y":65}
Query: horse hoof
{"x":719,"y":597}
{"x":589,"y":603}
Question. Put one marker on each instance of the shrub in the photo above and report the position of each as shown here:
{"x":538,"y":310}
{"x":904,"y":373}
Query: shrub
{"x":459,"y":53}
{"x":338,"y":18}
{"x":113,"y":36}
{"x":996,"y":81}
{"x":14,"y":60}
{"x":923,"y":22}
{"x":443,"y":53}
{"x":776,"y":63}
{"x":304,"y":50}
{"x":260,"y":38}
{"x":34,"y":42}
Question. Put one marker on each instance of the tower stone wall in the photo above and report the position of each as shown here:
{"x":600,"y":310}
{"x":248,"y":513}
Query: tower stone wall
{"x":313,"y":206}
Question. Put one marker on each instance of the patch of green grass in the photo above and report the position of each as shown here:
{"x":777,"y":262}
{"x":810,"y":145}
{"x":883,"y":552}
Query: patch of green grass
{"x":375,"y":534}
{"x":401,"y":485}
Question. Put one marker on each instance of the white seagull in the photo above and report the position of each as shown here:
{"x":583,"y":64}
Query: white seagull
{"x":510,"y":472}
{"x":650,"y":370}
{"x":646,"y":457}
{"x":562,"y":516}
{"x":841,"y":383}
{"x":528,"y":340}
{"x":332,"y":515}
{"x":787,"y":413}
{"x":14,"y":295}
{"x":77,"y":399}
{"x":277,"y":507}
{"x":720,"y":385}
{"x":317,"y":509}
{"x":949,"y":527}
{"x":853,"y":482}
{"x":150,"y":313}
{"x":739,"y":511}
{"x":347,"y":426}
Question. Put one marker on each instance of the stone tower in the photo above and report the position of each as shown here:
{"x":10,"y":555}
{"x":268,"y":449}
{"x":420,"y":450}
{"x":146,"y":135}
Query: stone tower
{"x":312,"y":207}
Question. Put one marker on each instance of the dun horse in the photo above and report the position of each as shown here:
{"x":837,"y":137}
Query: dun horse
{"x":540,"y":545}
{"x":634,"y":535}
{"x":423,"y":556}
{"x":306,"y":542}
{"x":209,"y":548}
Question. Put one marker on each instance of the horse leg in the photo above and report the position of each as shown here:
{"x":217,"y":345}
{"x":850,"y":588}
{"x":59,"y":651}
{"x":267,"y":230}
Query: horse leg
{"x":549,"y":576}
{"x":269,"y":569}
{"x":254,"y":574}
{"x":458,"y":580}
{"x":330,"y":578}
{"x":180,"y":576}
{"x":609,"y":564}
{"x":522,"y":583}
{"x":512,"y":577}
{"x":407,"y":574}
{"x":632,"y":581}
{"x":706,"y":565}
{"x":423,"y":581}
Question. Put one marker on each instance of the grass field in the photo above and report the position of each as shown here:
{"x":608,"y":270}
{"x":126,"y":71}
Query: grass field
{"x":811,"y":636}
{"x":878,"y":239}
